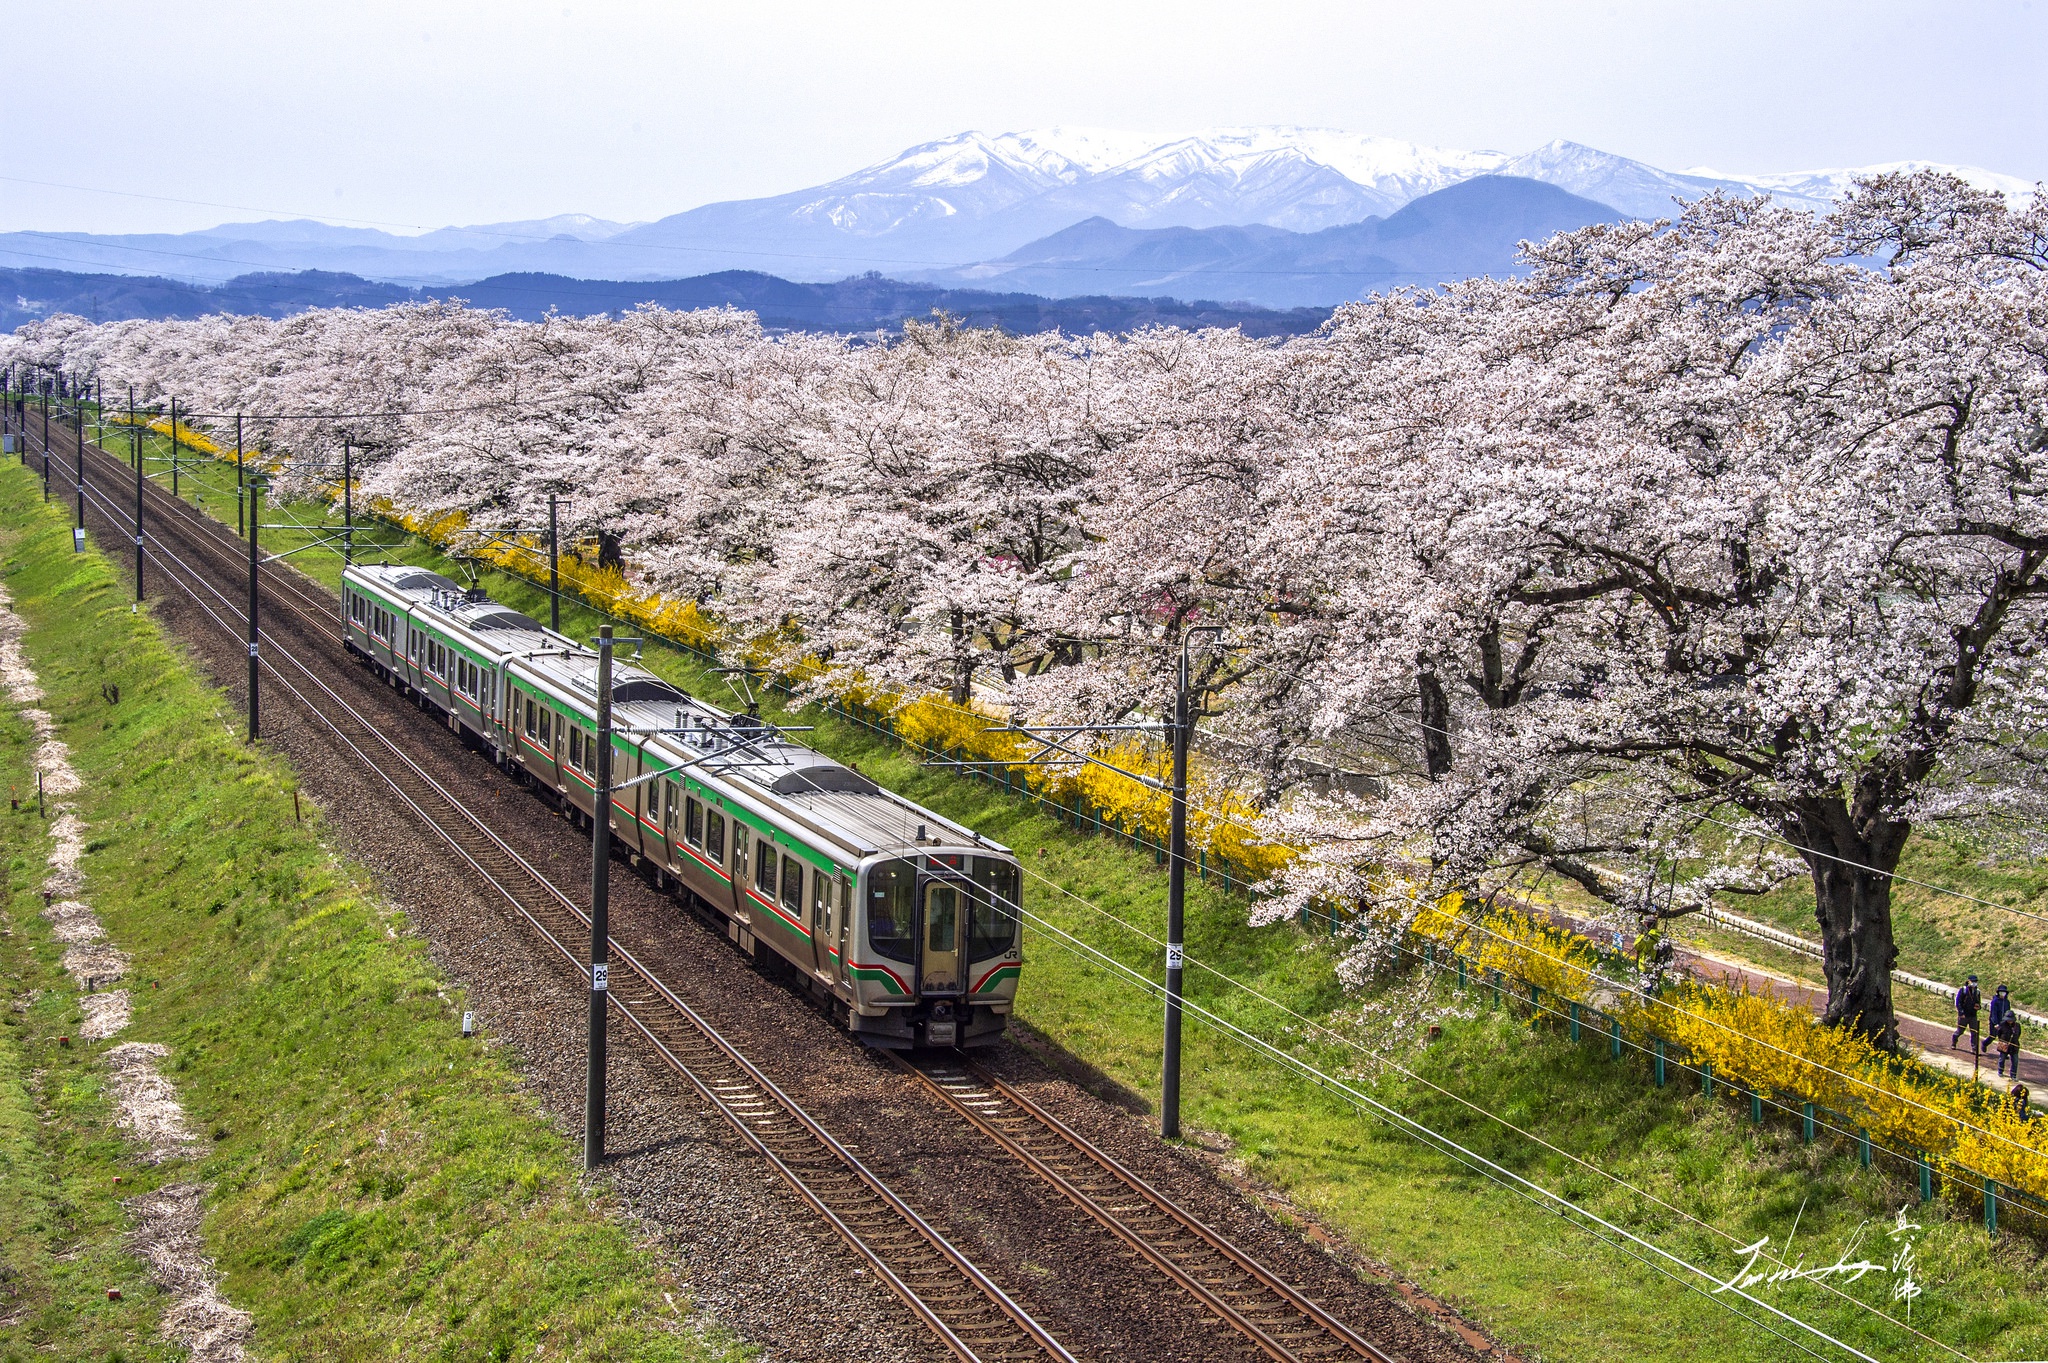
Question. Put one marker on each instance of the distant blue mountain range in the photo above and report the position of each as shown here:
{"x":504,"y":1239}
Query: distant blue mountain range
{"x":1471,"y":228}
{"x":863,"y":304}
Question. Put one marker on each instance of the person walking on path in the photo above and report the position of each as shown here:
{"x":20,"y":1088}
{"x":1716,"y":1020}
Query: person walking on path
{"x":2004,"y":1031}
{"x":1968,"y":1000}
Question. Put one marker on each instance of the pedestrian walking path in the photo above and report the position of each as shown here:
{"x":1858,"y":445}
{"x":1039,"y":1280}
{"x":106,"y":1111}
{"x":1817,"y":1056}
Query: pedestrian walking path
{"x":1929,"y":1036}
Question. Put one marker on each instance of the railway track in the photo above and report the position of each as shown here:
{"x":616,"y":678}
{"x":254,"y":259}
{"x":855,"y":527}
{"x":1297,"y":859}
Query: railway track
{"x":1246,"y":1295}
{"x":964,"y":1308}
{"x":960,"y":1303}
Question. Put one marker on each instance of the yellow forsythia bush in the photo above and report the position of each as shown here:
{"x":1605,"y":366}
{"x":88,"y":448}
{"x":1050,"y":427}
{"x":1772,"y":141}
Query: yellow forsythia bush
{"x":1220,"y":817}
{"x":1765,"y":1043}
{"x":1752,"y":1039}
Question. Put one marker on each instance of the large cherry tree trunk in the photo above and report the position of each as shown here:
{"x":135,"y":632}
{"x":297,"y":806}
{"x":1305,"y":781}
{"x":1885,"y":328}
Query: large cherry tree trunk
{"x":1851,"y":861}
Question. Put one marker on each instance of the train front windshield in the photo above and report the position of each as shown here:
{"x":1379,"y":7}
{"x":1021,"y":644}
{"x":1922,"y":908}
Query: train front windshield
{"x":896,"y":918}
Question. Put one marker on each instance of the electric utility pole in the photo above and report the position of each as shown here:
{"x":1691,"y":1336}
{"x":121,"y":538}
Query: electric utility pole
{"x":135,"y":434}
{"x":1179,"y":733}
{"x":554,"y":578}
{"x":348,"y":506}
{"x":1176,"y":888}
{"x":241,"y":492}
{"x":255,"y":501}
{"x":600,"y":906}
{"x":78,"y":531}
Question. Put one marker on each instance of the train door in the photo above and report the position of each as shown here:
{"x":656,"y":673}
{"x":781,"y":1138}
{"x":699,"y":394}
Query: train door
{"x":821,"y":921}
{"x":843,"y":937}
{"x":938,"y":970}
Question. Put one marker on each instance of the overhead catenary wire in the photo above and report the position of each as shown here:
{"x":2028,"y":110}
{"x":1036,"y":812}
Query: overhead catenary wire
{"x":1485,"y":1113}
{"x":1804,"y":1060}
{"x":1256,"y":994}
{"x":1757,"y":833}
{"x":1444,"y":1144}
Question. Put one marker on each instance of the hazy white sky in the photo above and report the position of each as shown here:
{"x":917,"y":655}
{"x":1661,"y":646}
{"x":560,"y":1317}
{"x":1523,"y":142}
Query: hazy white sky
{"x":424,"y":113}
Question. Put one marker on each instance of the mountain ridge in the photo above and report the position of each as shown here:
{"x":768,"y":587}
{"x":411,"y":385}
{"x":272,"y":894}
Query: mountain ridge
{"x":946,"y":204}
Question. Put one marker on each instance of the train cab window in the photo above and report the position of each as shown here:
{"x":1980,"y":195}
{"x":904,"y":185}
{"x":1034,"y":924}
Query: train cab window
{"x":714,"y":837}
{"x":992,"y":924}
{"x":892,"y":910}
{"x":693,"y":826}
{"x":845,"y":903}
{"x":764,"y":868}
{"x":793,"y":886}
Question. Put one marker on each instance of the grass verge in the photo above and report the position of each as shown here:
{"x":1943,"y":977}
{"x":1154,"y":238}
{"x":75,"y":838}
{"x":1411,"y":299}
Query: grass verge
{"x":379,"y":1186}
{"x":1539,"y":1283}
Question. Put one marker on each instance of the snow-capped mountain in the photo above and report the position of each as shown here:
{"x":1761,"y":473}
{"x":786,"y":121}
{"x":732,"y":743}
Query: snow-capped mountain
{"x":951,"y":203}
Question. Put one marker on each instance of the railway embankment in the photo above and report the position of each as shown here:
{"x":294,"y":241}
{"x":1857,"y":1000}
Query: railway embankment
{"x":1687,"y":1172}
{"x":364,"y":1181}
{"x":1683,"y":1171}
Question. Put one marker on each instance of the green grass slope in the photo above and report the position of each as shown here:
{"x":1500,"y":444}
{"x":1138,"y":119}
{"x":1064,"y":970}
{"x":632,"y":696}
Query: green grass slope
{"x":1647,"y":1159}
{"x":380,"y":1188}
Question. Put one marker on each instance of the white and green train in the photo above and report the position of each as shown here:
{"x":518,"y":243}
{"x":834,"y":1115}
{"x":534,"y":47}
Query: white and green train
{"x":902,"y":921}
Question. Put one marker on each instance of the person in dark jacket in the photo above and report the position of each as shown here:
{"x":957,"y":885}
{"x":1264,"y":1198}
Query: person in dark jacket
{"x":1968,"y":1001}
{"x":2006,"y":1036}
{"x":2002,"y":1031}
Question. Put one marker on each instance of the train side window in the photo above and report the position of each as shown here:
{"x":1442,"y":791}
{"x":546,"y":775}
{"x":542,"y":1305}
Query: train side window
{"x":693,"y":822}
{"x":764,"y":869}
{"x":821,"y":903}
{"x":739,"y":851}
{"x":576,"y":749}
{"x":845,"y":901}
{"x":530,"y":731}
{"x":714,"y":837}
{"x":793,"y":886}
{"x":547,"y":727}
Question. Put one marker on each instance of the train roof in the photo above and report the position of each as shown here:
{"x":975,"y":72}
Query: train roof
{"x":773,"y":768}
{"x":467,"y":608}
{"x":833,"y":799}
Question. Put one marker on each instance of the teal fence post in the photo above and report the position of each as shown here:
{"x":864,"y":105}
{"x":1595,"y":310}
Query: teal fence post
{"x":1990,"y":1207}
{"x":1429,"y":955}
{"x":1926,"y":1177}
{"x":1806,"y":1122}
{"x":1707,"y":1079}
{"x":1496,"y":987}
{"x":1535,"y":997}
{"x":1461,"y":972}
{"x":1660,"y":1062}
{"x":1863,"y":1145}
{"x":1575,"y":1021}
{"x":1756,"y":1107}
{"x":1614,"y":1037}
{"x":1202,"y":863}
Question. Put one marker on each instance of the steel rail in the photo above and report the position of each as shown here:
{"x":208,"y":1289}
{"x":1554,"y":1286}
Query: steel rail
{"x":1282,"y":1322}
{"x":971,"y":1335}
{"x":1279,"y":1320}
